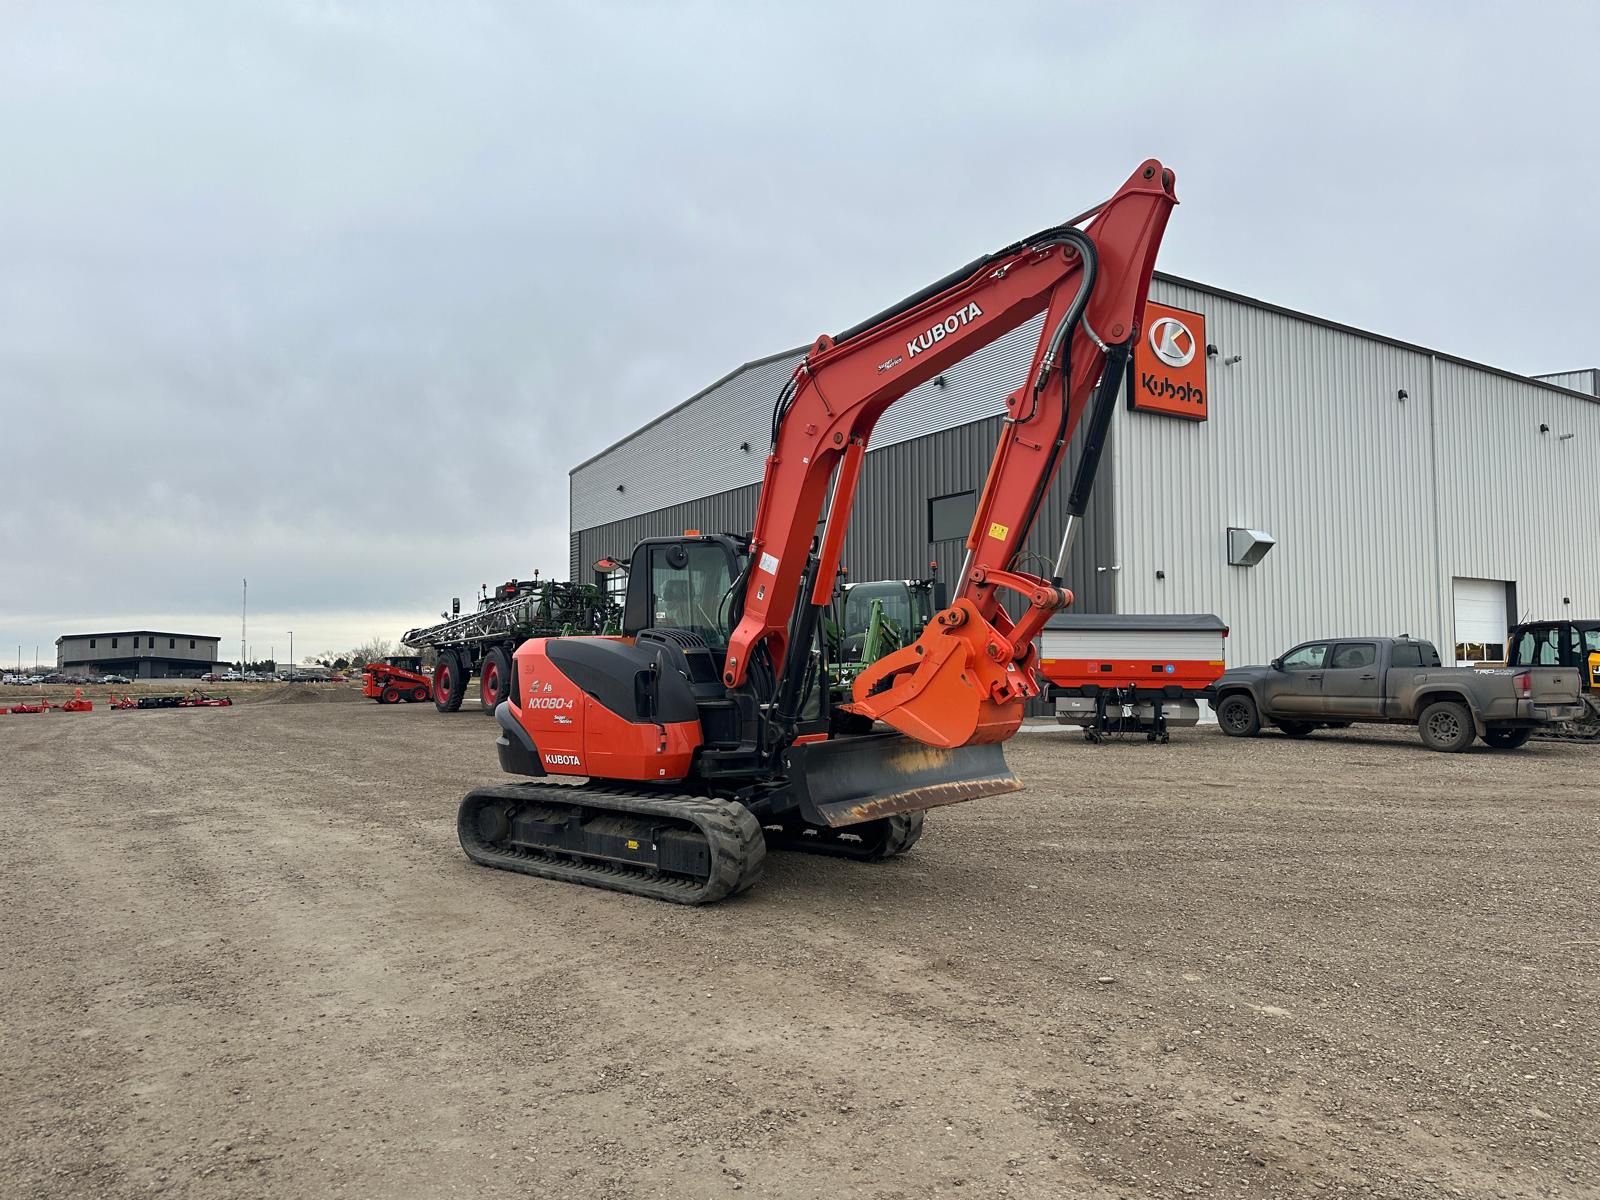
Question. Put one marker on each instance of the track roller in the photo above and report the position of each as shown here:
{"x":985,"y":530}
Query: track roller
{"x":686,"y":849}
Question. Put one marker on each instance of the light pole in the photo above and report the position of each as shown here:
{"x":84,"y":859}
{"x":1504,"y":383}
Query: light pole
{"x":291,"y":656}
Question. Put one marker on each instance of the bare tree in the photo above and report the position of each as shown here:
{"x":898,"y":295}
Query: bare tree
{"x":373,"y":649}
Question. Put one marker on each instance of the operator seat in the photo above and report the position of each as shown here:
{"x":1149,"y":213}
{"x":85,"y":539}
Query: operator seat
{"x":673,"y":612}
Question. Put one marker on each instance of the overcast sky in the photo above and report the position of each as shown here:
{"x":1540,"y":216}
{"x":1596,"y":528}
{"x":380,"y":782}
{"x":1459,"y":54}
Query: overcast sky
{"x":333,"y":295}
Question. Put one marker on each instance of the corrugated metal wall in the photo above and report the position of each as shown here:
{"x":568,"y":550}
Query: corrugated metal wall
{"x":691,"y":452}
{"x":1579,"y":381}
{"x":1515,"y":503}
{"x":694,"y":450}
{"x":1308,"y":440}
{"x":889,"y":537}
{"x":726,"y":512}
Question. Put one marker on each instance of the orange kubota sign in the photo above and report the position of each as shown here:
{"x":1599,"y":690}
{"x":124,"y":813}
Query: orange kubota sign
{"x":1169,"y":364}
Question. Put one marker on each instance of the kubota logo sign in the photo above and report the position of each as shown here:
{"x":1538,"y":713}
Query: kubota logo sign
{"x":1173,"y":342}
{"x":1169,"y":364}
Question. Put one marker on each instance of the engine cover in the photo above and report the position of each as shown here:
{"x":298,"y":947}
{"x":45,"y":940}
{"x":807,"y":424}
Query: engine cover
{"x":605,"y":708}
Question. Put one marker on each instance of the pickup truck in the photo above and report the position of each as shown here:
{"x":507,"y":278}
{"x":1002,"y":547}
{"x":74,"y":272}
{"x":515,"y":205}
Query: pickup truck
{"x":1339,"y":682}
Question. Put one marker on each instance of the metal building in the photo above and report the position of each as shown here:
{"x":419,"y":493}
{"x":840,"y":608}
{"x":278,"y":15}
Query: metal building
{"x":1297,"y":477}
{"x":140,"y":653}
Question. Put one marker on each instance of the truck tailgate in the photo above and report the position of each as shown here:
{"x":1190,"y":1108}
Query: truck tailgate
{"x":1553,"y":685}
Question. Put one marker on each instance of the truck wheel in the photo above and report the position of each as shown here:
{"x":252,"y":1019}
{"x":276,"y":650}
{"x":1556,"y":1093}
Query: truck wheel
{"x":419,"y":693}
{"x":1506,"y":739}
{"x":1446,"y":726}
{"x":449,"y":683}
{"x":494,"y":680}
{"x":1297,"y":729}
{"x":1238,"y":716}
{"x":391,"y":695}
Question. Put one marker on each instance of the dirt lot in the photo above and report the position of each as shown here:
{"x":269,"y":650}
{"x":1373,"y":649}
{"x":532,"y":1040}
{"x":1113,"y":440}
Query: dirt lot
{"x":242,"y":956}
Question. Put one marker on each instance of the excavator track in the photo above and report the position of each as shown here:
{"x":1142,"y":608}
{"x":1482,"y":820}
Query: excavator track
{"x":1585,"y":729}
{"x":684,"y":849}
{"x":871,"y":841}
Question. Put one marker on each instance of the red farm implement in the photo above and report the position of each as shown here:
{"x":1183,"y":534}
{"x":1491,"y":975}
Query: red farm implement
{"x":396,"y":679}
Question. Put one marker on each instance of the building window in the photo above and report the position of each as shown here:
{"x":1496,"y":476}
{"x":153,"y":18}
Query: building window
{"x":950,"y":517}
{"x":91,"y":643}
{"x":172,"y":644}
{"x":113,"y":643}
{"x":1490,"y":654}
{"x":135,"y":643}
{"x":191,"y":643}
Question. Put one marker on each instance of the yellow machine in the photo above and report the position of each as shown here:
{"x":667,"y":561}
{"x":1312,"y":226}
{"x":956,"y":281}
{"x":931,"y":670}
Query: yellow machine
{"x":1563,"y":644}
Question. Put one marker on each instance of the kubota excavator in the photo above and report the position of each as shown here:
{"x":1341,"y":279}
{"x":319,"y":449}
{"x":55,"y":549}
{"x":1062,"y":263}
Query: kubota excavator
{"x":703,"y":730}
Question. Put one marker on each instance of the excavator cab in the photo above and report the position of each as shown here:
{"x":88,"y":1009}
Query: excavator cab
{"x":689,"y":584}
{"x":683,"y":583}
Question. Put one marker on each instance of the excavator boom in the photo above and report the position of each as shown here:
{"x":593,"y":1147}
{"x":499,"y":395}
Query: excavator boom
{"x":968,"y":676}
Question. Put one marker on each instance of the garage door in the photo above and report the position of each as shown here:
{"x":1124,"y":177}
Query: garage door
{"x":1481,"y":620}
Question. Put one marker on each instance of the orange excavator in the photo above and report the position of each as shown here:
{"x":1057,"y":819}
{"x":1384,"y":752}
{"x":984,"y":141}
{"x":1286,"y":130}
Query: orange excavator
{"x":703,"y":731}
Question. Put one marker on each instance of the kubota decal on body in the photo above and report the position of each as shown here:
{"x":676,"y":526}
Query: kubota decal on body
{"x":562,"y":760}
{"x":535,"y":700}
{"x":940,"y":330}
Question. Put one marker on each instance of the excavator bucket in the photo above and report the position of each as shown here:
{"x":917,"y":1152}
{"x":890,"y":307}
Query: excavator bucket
{"x":946,"y":690}
{"x":845,"y":781}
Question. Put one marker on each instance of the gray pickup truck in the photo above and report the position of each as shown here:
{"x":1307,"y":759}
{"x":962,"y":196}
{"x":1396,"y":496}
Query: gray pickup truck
{"x":1344,"y":681}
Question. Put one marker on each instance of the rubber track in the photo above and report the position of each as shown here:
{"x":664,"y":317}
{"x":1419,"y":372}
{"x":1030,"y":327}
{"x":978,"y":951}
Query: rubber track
{"x":878,"y":840}
{"x":738,"y":849}
{"x":1585,"y":729}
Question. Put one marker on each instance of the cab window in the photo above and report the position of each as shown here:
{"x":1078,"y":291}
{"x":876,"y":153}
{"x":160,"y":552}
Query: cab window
{"x":687,"y":587}
{"x":1547,"y":648}
{"x":1350,"y":656}
{"x":1306,"y":658}
{"x":858,"y":600}
{"x":1537,"y":648}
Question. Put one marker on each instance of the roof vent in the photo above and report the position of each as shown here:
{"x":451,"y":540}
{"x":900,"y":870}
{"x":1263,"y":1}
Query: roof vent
{"x":1247,"y":547}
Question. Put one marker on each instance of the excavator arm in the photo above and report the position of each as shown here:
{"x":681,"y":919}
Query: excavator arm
{"x":966,"y":678}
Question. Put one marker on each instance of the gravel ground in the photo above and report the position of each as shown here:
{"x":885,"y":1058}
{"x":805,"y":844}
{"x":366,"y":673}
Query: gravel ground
{"x":242,"y":956}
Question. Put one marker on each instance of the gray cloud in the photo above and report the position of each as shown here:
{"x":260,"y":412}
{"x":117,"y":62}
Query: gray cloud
{"x":332,"y":295}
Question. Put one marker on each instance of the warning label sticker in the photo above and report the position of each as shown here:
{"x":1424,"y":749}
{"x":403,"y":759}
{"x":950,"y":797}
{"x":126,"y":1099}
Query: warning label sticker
{"x":769,"y":564}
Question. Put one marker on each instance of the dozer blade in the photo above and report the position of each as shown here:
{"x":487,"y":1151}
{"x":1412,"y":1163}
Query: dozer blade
{"x":845,"y":781}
